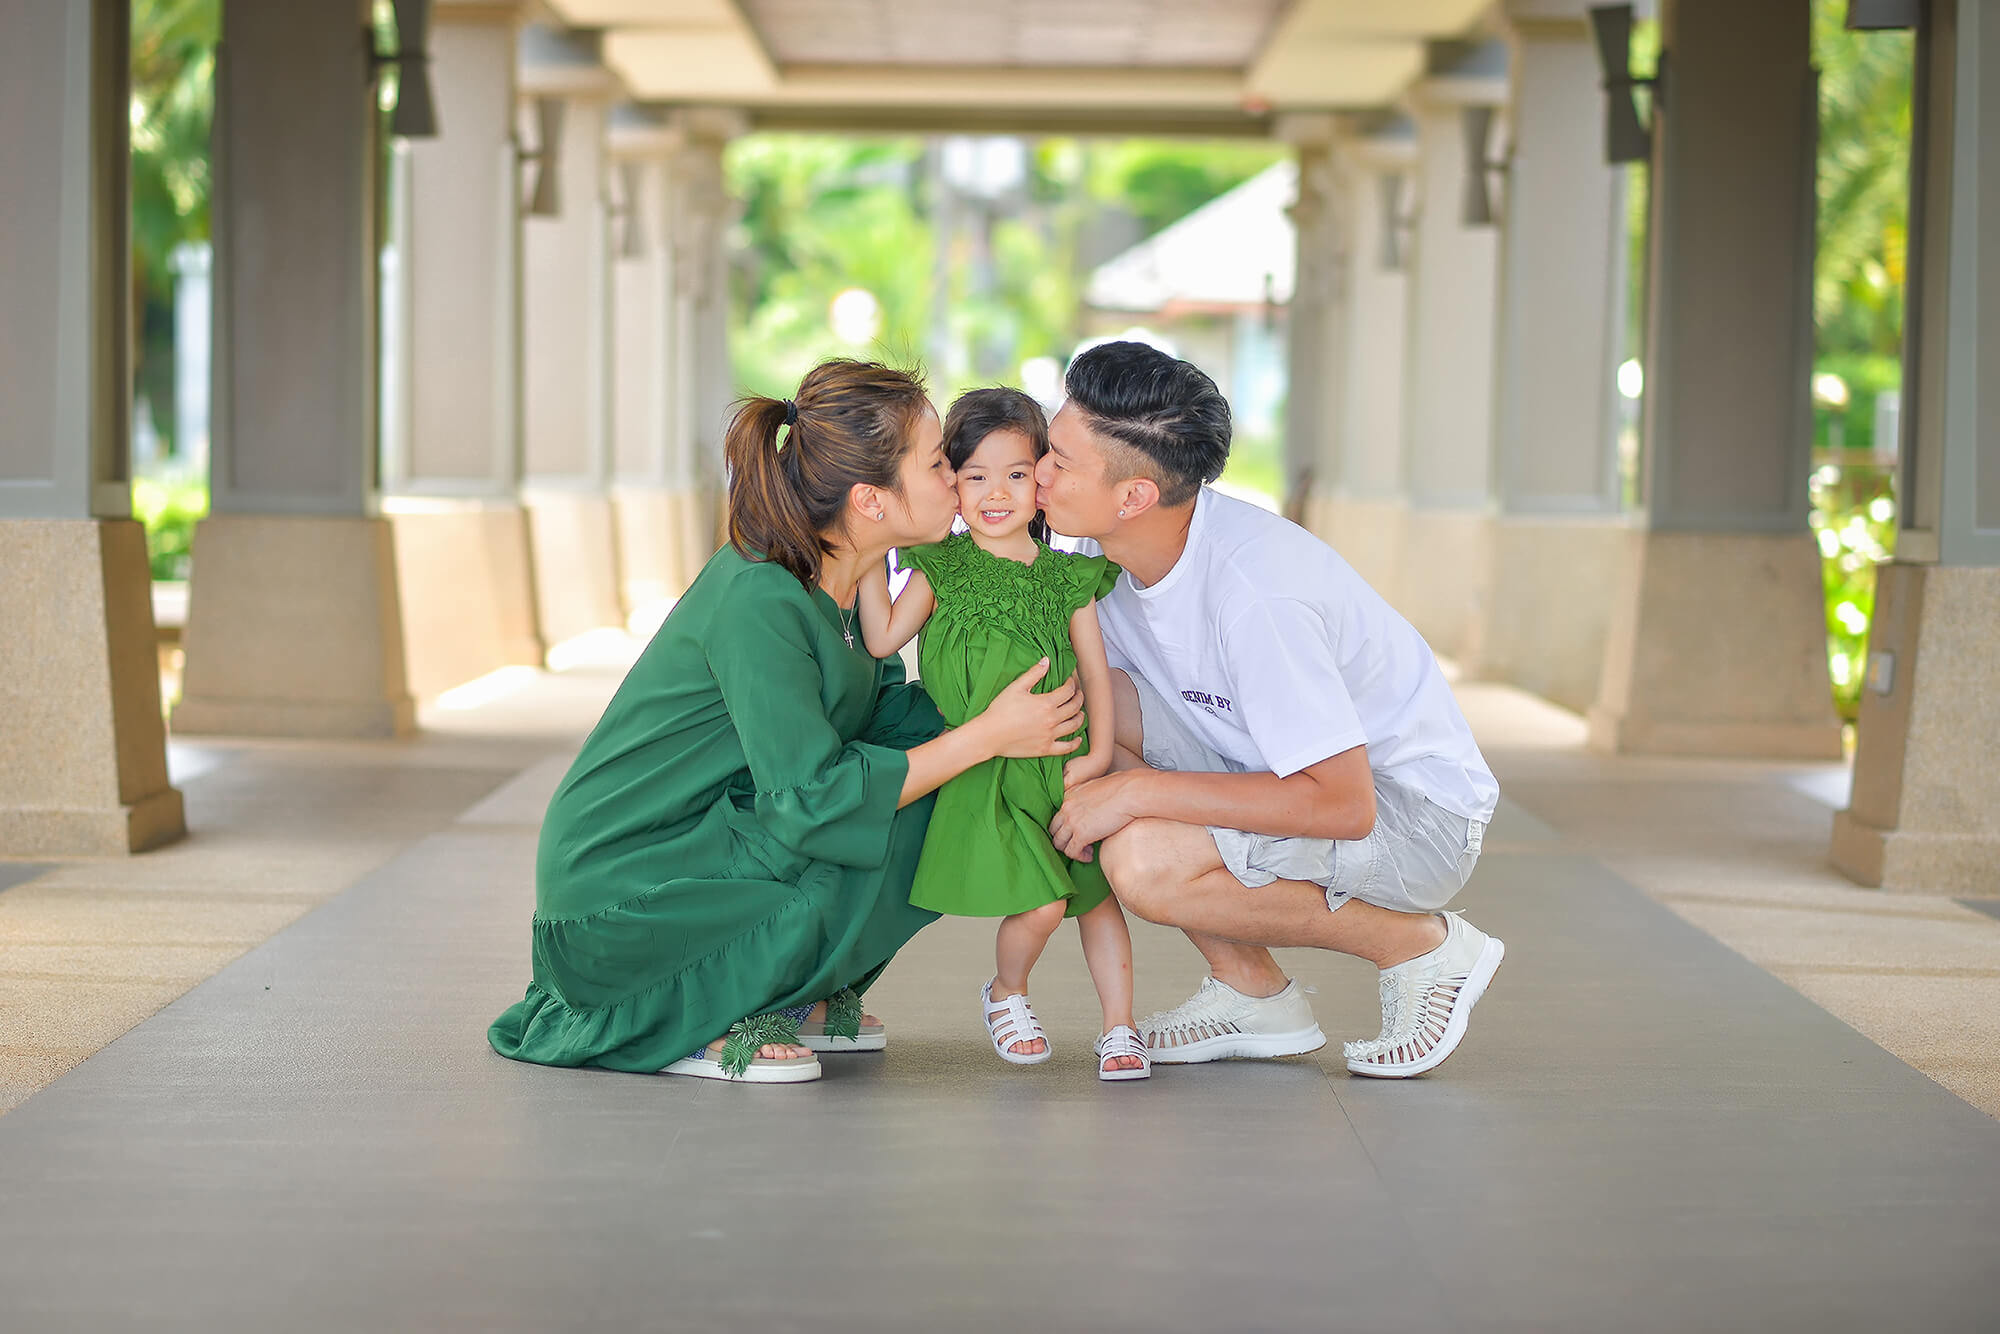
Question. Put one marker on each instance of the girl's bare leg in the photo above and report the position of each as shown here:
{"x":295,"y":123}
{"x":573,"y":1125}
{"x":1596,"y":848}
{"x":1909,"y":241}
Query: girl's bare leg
{"x":1018,"y":945}
{"x":1107,"y":949}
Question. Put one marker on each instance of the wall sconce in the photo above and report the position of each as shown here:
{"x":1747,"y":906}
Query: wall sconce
{"x":1626,"y":138}
{"x":415,"y":116}
{"x":545,"y":200}
{"x":632,"y":225}
{"x":1395,"y":223}
{"x":1476,"y":206}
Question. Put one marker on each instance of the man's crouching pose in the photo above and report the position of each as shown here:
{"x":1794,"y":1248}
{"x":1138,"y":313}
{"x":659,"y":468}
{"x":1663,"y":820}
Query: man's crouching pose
{"x":1293,"y":769}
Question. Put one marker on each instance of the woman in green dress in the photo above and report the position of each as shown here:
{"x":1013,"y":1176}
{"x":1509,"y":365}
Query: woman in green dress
{"x":728,"y":863}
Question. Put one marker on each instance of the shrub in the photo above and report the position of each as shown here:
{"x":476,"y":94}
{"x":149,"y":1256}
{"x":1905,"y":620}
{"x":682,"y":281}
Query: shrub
{"x":169,"y":511}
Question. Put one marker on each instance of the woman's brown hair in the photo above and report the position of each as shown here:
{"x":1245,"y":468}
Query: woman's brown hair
{"x":850,"y":425}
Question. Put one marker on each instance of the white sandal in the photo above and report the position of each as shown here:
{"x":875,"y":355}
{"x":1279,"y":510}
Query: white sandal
{"x":761,"y":1070}
{"x":1011,"y":1021}
{"x":1123,"y":1041}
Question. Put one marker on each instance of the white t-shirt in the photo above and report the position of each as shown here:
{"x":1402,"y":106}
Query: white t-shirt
{"x":1279,"y":655}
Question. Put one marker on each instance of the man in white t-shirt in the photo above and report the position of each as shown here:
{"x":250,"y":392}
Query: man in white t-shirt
{"x":1292,"y":769}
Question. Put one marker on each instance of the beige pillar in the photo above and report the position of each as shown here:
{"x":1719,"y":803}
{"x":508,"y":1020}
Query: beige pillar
{"x":567,"y":312}
{"x":1717,"y":643}
{"x":1447,"y":561}
{"x":452,"y":425}
{"x":701,"y":214}
{"x":1366,"y":518}
{"x":1926,"y":807}
{"x":664,"y":285}
{"x":294,"y":627}
{"x":1560,"y":530}
{"x":83,"y":767}
{"x":1314,"y":323}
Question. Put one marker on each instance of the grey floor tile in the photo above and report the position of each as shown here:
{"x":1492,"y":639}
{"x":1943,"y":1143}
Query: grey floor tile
{"x":1643,"y":1132}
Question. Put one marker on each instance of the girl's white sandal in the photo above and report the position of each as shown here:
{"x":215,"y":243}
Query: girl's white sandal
{"x":1011,"y":1021}
{"x":1123,"y":1041}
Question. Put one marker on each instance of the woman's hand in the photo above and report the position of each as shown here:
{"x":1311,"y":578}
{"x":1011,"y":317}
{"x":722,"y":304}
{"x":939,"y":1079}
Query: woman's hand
{"x":1020,"y":724}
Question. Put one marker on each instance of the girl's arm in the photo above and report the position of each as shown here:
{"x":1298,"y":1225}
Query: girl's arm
{"x":1095,"y":671}
{"x":886,"y":626}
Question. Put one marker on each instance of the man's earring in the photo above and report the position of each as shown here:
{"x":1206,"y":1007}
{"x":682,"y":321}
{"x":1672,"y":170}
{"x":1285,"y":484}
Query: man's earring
{"x":878,"y":518}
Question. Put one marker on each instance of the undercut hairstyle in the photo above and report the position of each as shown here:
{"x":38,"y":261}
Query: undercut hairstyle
{"x":1163,"y":417}
{"x":978,"y":413}
{"x":793,"y":462}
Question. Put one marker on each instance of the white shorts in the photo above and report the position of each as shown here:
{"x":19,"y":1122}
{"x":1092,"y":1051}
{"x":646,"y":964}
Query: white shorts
{"x":1416,"y":858}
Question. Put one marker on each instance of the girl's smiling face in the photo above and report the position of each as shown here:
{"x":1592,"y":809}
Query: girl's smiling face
{"x":996,"y":485}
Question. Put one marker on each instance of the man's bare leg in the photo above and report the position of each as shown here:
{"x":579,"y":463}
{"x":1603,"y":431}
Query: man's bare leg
{"x":1172,"y":874}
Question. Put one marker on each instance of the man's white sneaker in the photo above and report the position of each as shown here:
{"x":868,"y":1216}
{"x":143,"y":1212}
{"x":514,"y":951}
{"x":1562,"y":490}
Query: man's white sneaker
{"x":1427,"y":1003}
{"x":1220,"y":1023}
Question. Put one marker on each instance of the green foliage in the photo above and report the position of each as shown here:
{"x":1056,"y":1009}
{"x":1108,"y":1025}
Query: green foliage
{"x":173,"y":72}
{"x":1864,"y":171}
{"x":1159,"y":181}
{"x":169,"y":511}
{"x":1854,"y":518}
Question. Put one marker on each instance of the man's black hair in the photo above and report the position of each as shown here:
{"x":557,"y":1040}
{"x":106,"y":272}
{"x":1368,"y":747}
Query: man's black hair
{"x":1167,"y":411}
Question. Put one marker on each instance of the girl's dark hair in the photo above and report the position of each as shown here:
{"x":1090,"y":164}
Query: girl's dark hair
{"x":851,"y":424}
{"x":978,"y":413}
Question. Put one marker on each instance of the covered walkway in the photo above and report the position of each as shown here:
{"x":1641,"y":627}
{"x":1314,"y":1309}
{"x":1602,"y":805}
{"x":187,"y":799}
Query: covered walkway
{"x":1646,"y":1130}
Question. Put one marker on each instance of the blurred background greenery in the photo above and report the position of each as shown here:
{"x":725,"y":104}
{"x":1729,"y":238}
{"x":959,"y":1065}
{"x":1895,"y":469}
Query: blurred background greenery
{"x":976,"y":271}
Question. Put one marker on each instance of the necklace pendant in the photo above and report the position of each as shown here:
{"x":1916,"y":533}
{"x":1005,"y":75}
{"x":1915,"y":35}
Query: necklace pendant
{"x":848,"y":635}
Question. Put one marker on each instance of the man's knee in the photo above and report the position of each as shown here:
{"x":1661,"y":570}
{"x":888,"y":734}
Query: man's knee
{"x":1143,"y":869}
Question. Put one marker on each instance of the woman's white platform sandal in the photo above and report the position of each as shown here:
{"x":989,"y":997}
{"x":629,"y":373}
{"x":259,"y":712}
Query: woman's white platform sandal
{"x":844,"y":1028}
{"x":1123,"y":1041}
{"x":1011,"y":1021}
{"x":739,"y":1062}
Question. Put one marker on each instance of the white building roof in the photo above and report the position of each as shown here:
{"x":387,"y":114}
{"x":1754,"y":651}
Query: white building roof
{"x":1235,"y":251}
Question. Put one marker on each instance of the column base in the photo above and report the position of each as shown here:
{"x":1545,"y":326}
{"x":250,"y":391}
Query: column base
{"x":574,"y":540}
{"x":83,"y":758}
{"x":467,"y":593}
{"x":1717,"y":646}
{"x":1447,"y":575}
{"x":1544,"y":623}
{"x":1926,"y":807}
{"x":294,"y":629}
{"x":1371,"y":534}
{"x":651,"y":547}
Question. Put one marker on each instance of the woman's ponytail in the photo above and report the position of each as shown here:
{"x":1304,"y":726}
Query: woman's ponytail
{"x":768,"y":518}
{"x":792,"y":462}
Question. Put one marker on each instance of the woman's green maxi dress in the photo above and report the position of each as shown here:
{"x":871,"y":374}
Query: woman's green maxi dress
{"x":989,"y":852}
{"x":727,"y":843}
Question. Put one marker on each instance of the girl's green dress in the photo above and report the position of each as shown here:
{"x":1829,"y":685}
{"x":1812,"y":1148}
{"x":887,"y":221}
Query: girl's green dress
{"x":988,"y":853}
{"x":727,"y":842}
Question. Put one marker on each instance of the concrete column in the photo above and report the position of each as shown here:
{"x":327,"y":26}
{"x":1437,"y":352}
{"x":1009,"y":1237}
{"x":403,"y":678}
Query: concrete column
{"x":1717,"y":642}
{"x":294,"y":626}
{"x":1367,"y":515}
{"x":701,"y":213}
{"x":567,"y":306}
{"x":83,"y":767}
{"x":652,"y":469}
{"x":1926,"y":807}
{"x":1560,"y":530}
{"x":1314,"y":324}
{"x":1447,"y":564}
{"x":452,"y":434}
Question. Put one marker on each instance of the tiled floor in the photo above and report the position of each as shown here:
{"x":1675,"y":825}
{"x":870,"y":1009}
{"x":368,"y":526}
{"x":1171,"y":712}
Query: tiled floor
{"x":1645,"y":1131}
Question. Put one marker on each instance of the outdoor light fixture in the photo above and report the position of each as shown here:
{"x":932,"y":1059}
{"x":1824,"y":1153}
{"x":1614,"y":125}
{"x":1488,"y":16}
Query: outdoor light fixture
{"x":544,"y":201}
{"x":1394,"y":221}
{"x":1476,"y":208}
{"x":632,"y":231}
{"x":415,"y":116}
{"x":1626,"y":137}
{"x":1875,"y":15}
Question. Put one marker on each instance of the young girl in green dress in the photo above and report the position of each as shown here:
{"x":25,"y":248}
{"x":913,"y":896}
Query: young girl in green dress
{"x":991,"y":602}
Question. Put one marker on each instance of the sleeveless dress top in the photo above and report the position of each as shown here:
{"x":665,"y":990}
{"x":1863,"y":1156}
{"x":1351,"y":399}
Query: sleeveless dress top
{"x":988,"y":852}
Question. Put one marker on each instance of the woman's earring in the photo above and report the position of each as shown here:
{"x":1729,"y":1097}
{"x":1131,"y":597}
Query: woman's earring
{"x":1121,"y":514}
{"x":878,"y":518}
